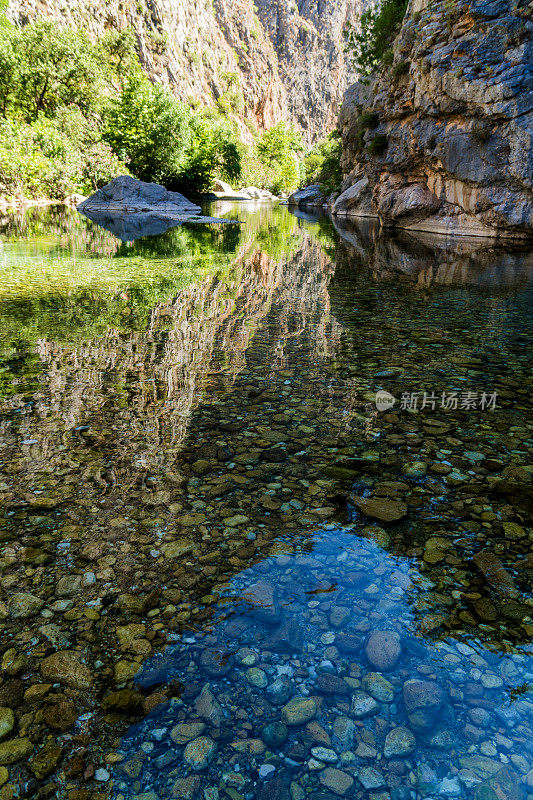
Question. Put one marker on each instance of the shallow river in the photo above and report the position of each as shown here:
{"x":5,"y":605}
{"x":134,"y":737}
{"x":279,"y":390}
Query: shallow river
{"x":267,"y":492}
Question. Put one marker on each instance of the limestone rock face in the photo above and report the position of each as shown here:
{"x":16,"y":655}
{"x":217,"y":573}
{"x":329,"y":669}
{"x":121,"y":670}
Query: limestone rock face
{"x":310,"y":196}
{"x":266,"y":61}
{"x":447,"y":147}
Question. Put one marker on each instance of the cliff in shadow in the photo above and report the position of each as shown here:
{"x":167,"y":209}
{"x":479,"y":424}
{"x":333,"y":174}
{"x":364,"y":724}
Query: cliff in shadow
{"x":446,"y":141}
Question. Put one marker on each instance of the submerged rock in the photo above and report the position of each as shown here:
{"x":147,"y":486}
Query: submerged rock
{"x":399,"y":742}
{"x":336,"y":781}
{"x":24,"y":604}
{"x":299,"y":710}
{"x":424,"y":701}
{"x":65,"y":667}
{"x":382,"y":508}
{"x":383,"y":649}
{"x":200,"y":752}
{"x":15,"y":750}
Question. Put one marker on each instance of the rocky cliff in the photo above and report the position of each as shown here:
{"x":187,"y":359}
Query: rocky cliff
{"x":442,"y":140}
{"x":263,"y":62}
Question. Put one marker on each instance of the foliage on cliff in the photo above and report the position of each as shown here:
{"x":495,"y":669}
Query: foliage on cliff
{"x":75,"y":113}
{"x":370,"y":46}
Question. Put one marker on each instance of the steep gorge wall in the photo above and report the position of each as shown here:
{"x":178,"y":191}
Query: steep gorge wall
{"x":456,"y":109}
{"x":263,"y":62}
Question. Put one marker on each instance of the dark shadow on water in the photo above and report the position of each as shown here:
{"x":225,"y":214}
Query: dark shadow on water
{"x":425,"y":259}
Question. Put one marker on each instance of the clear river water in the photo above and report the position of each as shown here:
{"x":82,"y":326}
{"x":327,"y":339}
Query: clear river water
{"x":267,"y":493}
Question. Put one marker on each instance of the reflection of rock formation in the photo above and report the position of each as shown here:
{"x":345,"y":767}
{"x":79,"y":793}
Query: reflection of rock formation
{"x":427,"y":259}
{"x":136,"y":392}
{"x":98,"y":482}
{"x":128,"y":227}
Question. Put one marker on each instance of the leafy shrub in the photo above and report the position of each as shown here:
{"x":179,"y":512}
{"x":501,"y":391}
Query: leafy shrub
{"x":214,"y":152}
{"x":368,"y":120}
{"x":480,"y":132}
{"x":378,"y":145}
{"x":360,"y":139}
{"x":379,"y":28}
{"x":323,"y":163}
{"x":399,"y":69}
{"x":54,"y":158}
{"x":148,"y":127}
{"x":277,"y":150}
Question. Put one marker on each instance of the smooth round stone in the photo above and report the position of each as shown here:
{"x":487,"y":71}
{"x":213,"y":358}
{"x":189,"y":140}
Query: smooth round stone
{"x":200,"y":752}
{"x":416,"y":469}
{"x":299,"y":710}
{"x":491,"y":681}
{"x":336,"y":780}
{"x":101,"y":775}
{"x":399,"y":742}
{"x":7,"y":722}
{"x":266,"y":771}
{"x":274,"y":734}
{"x":185,"y":732}
{"x":246,"y":657}
{"x":450,"y":787}
{"x":338,"y":616}
{"x":279,"y":691}
{"x":24,"y":604}
{"x":379,"y":687}
{"x":324,"y":754}
{"x":64,"y":666}
{"x":363,"y":705}
{"x":383,"y":649}
{"x":382,"y":508}
{"x":216,"y":661}
{"x":15,"y":750}
{"x":256,"y":677}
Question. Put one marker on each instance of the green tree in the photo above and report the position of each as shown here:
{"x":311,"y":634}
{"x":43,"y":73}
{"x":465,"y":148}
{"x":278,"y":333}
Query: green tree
{"x":9,"y":64}
{"x":323,"y":163}
{"x":214,"y":152}
{"x":55,"y":66}
{"x":147,"y":127}
{"x":278,"y":150}
{"x":379,"y":28}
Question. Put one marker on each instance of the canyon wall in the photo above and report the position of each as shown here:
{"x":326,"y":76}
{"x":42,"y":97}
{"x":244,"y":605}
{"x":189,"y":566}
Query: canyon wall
{"x":441,"y":141}
{"x":262,"y":62}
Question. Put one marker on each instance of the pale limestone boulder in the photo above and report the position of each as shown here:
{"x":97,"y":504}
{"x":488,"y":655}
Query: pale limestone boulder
{"x":126,"y":194}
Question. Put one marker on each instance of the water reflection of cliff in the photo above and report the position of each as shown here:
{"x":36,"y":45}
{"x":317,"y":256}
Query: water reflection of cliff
{"x":425,"y":259}
{"x":143,"y":386}
{"x":228,"y":422}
